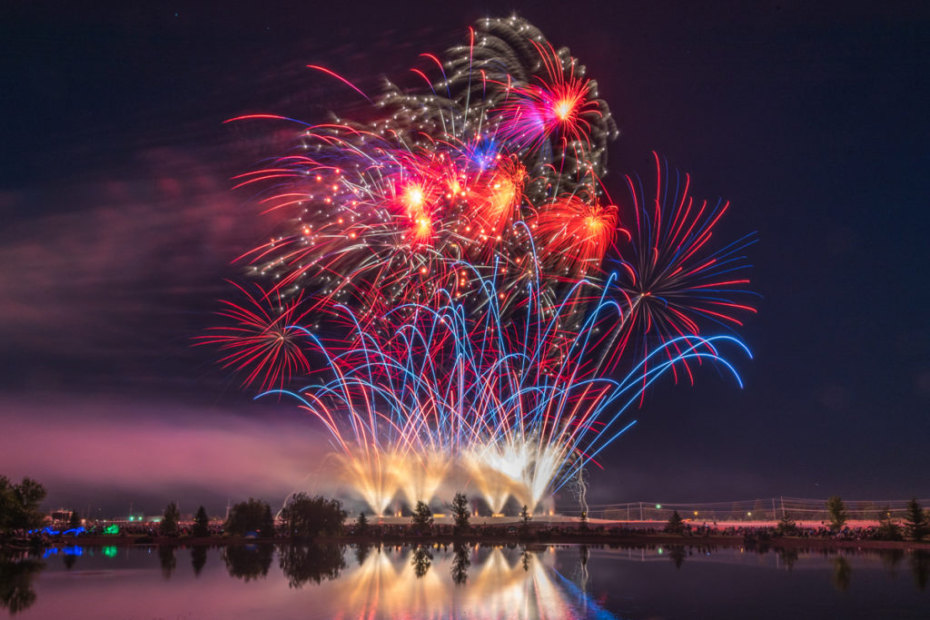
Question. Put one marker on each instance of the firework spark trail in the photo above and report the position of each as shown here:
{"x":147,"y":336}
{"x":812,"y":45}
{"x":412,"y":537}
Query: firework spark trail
{"x":441,"y":390}
{"x":476,"y":285}
{"x":260,"y":341}
{"x":380,"y":210}
{"x":670,"y":283}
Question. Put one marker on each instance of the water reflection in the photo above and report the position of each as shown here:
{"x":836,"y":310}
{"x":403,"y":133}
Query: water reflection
{"x":375,"y":581}
{"x":69,"y":561}
{"x":920,"y":566}
{"x":677,"y":554}
{"x":302,"y":564}
{"x":248,"y":562}
{"x":167,"y":560}
{"x":422,"y":559}
{"x":460,"y":564}
{"x":788,"y":557}
{"x":842,"y":573}
{"x":891,"y":559}
{"x":17,"y":573}
{"x":427,"y":582}
{"x":198,"y":559}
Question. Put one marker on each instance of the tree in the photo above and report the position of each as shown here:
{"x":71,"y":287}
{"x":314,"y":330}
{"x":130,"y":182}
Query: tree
{"x":169,"y":522}
{"x":309,"y":517}
{"x":7,"y":503}
{"x":916,"y":519}
{"x":675,"y":525}
{"x":525,"y":520}
{"x":422,"y":518}
{"x":361,"y":524}
{"x":252,"y":516}
{"x":19,"y":504}
{"x":786,"y":525}
{"x":460,"y":513}
{"x":75,"y":521}
{"x":887,"y":529}
{"x":201,"y":524}
{"x":837,"y":510}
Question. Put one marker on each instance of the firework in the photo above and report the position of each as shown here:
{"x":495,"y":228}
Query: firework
{"x":444,"y":396}
{"x":462,"y":301}
{"x":457,"y":171}
{"x":259,"y":341}
{"x":671,"y":282}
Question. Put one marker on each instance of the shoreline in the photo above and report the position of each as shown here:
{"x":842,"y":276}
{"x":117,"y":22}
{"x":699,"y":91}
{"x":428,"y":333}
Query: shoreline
{"x":625,"y":540}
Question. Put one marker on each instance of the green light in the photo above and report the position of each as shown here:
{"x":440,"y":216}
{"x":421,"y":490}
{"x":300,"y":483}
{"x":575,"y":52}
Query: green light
{"x":132,"y":518}
{"x":658,"y":506}
{"x":111,"y":529}
{"x":110,"y":552}
{"x":661,"y":551}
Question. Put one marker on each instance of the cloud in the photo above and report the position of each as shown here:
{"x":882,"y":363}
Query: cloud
{"x":97,"y":450}
{"x":104,"y":257}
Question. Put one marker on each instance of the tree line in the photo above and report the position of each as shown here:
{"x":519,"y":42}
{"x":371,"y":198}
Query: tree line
{"x":307,"y":517}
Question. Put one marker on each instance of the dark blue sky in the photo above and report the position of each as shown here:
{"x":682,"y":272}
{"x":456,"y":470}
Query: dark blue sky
{"x":118,"y":221}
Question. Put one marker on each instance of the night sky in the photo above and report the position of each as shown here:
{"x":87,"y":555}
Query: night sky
{"x":117,"y":225}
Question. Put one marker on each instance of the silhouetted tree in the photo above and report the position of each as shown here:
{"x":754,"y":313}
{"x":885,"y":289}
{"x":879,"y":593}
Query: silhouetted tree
{"x":422,"y":559}
{"x":7,"y":504}
{"x":75,"y":521}
{"x":305,"y":563}
{"x":169,"y":522}
{"x":167,"y":560}
{"x":248,"y":562}
{"x":250,"y":516}
{"x":422,"y":518}
{"x":916,"y":520}
{"x":198,"y":558}
{"x":460,"y":564}
{"x":361,"y":524}
{"x":786,"y":525}
{"x":460,"y":513}
{"x":19,"y":504}
{"x":837,"y":510}
{"x":266,"y":529}
{"x":675,"y":525}
{"x":525,"y":517}
{"x":887,"y":528}
{"x":201,"y":527}
{"x":309,"y":517}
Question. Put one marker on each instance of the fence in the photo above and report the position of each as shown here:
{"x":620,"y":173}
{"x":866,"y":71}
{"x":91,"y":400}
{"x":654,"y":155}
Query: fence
{"x":766,"y":509}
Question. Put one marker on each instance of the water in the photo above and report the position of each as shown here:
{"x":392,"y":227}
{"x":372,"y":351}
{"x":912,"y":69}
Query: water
{"x":468,"y":582}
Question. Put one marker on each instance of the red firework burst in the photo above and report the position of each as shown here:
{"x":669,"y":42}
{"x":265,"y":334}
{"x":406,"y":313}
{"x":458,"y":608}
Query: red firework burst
{"x":261,"y":342}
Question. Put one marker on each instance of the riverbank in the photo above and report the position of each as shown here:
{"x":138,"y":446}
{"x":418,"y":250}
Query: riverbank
{"x":627,"y":539}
